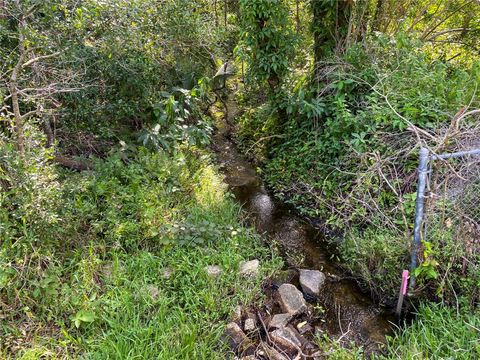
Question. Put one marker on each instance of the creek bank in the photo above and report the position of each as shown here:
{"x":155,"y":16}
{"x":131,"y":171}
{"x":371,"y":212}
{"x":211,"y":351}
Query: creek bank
{"x":340,"y":308}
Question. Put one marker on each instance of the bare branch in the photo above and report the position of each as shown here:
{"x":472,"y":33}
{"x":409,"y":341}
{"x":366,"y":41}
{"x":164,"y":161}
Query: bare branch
{"x":30,"y":113}
{"x":440,"y":33}
{"x":427,"y":32}
{"x":472,"y":112}
{"x":38,"y":58}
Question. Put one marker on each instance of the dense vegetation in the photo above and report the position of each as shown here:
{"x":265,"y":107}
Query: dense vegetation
{"x":338,"y":137}
{"x":349,"y":157}
{"x":111,"y":206}
{"x":110,"y":262}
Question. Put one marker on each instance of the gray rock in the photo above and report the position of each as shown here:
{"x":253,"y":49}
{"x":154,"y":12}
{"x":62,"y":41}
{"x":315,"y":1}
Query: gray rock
{"x":291,"y":299}
{"x":249,"y":268}
{"x":305,"y":343}
{"x":279,"y":321}
{"x":249,"y":325}
{"x":237,"y":314}
{"x":238,"y":341}
{"x":286,"y":340}
{"x":213,"y":271}
{"x":311,"y":281}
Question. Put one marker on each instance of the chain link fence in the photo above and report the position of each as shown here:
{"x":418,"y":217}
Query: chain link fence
{"x":452,"y":203}
{"x":448,"y":210}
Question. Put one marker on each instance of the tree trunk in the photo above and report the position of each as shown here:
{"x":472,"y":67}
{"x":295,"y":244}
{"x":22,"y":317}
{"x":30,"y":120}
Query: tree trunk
{"x":343,"y":14}
{"x":330,"y":26}
{"x":362,"y":22}
{"x":79,"y":165}
{"x":297,"y":17}
{"x":3,"y":14}
{"x":18,"y":121}
{"x":377,"y":18}
{"x":225,"y":13}
{"x":13,"y":84}
{"x":320,"y":35}
{"x":47,"y":128}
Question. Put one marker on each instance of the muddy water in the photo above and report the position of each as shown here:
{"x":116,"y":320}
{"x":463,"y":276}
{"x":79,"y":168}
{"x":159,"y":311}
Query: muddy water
{"x":349,"y":313}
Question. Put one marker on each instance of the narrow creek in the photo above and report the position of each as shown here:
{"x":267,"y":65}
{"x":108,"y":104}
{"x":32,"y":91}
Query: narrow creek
{"x":348,"y":312}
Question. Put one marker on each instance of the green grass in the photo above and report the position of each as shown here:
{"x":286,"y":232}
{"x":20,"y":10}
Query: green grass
{"x":375,"y":256}
{"x":335,"y":350}
{"x":438,"y":332}
{"x":96,"y":288}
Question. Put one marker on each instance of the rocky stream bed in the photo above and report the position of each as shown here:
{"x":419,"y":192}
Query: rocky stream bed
{"x":304,"y":303}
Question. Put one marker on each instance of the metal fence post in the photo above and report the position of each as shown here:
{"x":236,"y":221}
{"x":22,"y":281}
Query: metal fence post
{"x":419,"y":207}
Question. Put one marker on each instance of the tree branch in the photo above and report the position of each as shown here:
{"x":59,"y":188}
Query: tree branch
{"x":440,"y":33}
{"x":26,"y":115}
{"x":38,"y":58}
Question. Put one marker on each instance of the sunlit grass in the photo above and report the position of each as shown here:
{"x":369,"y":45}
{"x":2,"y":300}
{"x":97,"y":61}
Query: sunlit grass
{"x":438,"y":332}
{"x":118,"y":291}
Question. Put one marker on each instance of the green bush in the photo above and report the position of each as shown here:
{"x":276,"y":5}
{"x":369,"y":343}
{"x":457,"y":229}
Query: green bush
{"x":266,"y":40}
{"x":29,"y":194}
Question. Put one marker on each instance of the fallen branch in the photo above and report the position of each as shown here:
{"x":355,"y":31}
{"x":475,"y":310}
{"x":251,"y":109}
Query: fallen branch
{"x":261,"y":139}
{"x":73,"y":164}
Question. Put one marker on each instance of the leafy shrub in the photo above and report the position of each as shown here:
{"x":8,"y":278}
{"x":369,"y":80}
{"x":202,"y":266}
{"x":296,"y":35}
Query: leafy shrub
{"x":114,"y":58}
{"x":29,"y":194}
{"x":267,"y":40}
{"x":178,"y":118}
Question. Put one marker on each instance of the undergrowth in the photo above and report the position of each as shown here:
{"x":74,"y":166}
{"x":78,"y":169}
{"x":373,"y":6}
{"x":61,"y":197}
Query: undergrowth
{"x":346,"y":156}
{"x":110,"y":264}
{"x":347,"y":152}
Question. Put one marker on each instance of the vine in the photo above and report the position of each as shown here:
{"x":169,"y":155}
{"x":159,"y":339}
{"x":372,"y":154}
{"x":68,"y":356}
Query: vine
{"x":267,"y":40}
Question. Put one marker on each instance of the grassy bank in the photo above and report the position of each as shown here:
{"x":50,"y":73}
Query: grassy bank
{"x":438,"y":332}
{"x":110,"y":264}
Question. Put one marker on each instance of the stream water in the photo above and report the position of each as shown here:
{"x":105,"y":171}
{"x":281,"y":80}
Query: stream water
{"x":349,"y":312}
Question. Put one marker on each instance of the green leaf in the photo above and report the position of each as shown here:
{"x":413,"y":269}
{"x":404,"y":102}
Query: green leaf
{"x":83,"y":316}
{"x":87,"y":316}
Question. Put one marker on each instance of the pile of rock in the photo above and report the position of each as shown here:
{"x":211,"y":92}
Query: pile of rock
{"x":279,"y":334}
